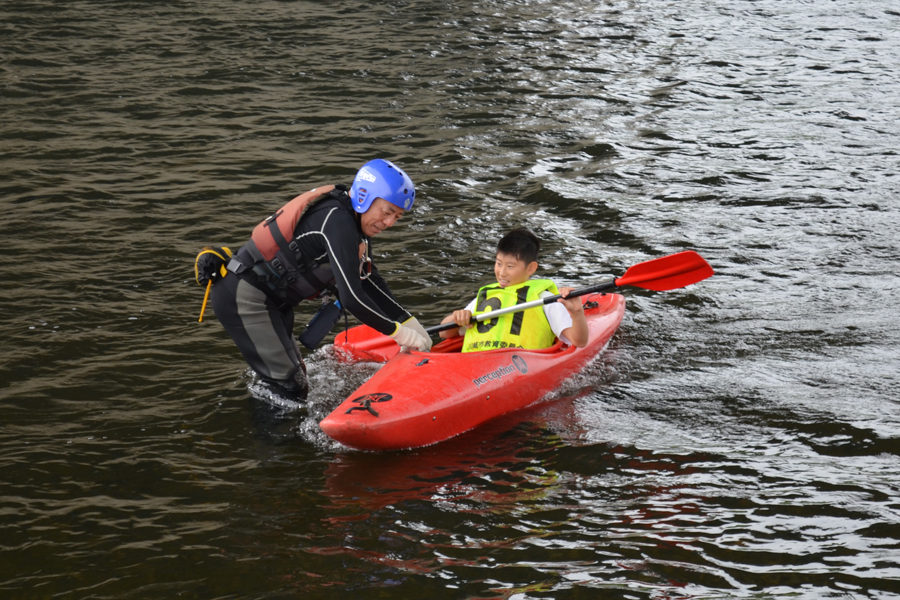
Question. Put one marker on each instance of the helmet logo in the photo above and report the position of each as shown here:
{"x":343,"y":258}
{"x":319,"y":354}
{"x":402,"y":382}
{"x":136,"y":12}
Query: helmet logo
{"x":406,"y":204}
{"x":366,"y":176}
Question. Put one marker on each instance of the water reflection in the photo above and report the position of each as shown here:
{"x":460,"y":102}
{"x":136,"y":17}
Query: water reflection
{"x":492,"y":465}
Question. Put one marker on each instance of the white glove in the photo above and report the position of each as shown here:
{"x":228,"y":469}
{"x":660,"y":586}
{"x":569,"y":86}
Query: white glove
{"x":414,"y":324}
{"x":409,"y":338}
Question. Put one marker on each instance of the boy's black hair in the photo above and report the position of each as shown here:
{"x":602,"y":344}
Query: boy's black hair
{"x":520,"y":243}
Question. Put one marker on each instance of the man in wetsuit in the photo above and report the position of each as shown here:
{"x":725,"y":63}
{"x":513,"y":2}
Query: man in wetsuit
{"x":319,"y":241}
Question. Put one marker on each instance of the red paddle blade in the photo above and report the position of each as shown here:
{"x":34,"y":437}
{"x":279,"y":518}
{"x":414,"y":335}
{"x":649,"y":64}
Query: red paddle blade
{"x":364,"y":344}
{"x":667,"y":273}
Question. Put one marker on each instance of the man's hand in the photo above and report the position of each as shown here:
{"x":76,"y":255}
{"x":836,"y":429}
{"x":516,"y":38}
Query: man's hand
{"x":410,"y":339}
{"x":414,"y":324}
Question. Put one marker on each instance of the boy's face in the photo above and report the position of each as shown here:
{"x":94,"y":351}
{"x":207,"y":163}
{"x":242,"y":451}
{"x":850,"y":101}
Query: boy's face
{"x":512,"y":271}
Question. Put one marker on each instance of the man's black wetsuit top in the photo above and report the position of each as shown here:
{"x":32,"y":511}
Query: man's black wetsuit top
{"x":330,"y":232}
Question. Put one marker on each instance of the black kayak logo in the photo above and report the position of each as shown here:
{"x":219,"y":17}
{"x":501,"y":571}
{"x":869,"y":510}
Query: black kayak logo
{"x":518,"y":364}
{"x":365,"y":402}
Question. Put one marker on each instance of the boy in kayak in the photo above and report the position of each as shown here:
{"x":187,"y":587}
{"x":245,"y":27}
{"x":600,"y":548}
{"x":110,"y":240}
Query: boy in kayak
{"x":532,"y":329}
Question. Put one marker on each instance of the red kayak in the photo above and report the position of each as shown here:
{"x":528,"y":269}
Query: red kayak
{"x":421,"y":398}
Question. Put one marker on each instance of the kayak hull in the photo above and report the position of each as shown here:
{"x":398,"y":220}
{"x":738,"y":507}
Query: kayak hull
{"x":419,"y":398}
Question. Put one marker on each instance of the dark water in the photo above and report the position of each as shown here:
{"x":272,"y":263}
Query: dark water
{"x":740,"y":438}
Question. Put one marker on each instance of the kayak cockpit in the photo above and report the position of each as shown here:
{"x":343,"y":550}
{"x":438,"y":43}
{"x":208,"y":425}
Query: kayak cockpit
{"x":363,"y":344}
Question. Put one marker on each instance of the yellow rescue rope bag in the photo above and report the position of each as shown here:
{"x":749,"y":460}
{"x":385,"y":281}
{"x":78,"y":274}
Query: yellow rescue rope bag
{"x":209,"y":267}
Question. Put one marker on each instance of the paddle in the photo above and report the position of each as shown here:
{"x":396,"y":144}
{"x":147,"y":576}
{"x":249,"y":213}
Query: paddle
{"x":660,"y":274}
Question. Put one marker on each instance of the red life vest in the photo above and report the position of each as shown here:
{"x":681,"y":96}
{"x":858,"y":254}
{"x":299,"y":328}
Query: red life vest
{"x":274,"y":256}
{"x":273,"y":233}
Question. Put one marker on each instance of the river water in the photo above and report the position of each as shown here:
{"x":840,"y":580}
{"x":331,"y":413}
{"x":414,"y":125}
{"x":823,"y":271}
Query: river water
{"x":738,"y":439}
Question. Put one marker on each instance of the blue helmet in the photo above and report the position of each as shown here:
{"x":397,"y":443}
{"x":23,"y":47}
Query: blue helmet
{"x":381,"y":178}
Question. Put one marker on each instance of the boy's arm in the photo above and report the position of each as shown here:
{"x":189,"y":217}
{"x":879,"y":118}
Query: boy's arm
{"x":578,"y":332}
{"x":461,"y":318}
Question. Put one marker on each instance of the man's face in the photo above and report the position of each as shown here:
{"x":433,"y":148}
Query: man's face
{"x":381,"y":215}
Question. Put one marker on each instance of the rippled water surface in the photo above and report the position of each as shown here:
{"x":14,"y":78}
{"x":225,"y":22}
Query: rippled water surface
{"x":739,"y":438}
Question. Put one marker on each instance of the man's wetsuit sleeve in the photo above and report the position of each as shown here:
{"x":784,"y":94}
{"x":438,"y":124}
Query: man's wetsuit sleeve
{"x":378,"y":290}
{"x":339,"y":230}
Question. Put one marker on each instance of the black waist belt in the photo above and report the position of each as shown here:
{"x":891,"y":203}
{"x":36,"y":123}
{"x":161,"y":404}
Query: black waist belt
{"x":257,"y":280}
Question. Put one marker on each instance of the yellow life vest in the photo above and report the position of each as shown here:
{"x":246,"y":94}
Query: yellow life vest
{"x":528,"y":329}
